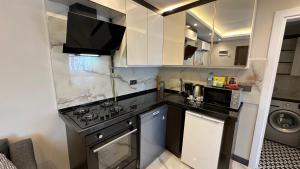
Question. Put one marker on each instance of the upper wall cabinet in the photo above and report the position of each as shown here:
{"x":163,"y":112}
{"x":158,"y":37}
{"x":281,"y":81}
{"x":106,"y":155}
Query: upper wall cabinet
{"x":118,"y":5}
{"x":144,"y":35}
{"x":137,"y":33}
{"x":155,"y":38}
{"x":227,"y":26}
{"x":232,"y":28}
{"x":174,"y":37}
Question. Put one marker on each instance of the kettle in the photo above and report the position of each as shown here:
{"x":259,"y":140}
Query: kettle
{"x":198,"y":90}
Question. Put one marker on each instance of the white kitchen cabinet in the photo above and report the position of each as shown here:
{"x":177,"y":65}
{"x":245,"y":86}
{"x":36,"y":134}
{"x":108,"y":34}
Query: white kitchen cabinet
{"x":137,"y":33}
{"x":296,"y":66}
{"x":155,"y":38}
{"x":174,"y":37}
{"x":201,"y":141}
{"x":117,"y":5}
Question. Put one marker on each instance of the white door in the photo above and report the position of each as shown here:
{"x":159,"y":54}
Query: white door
{"x":136,"y":23}
{"x":155,"y":38}
{"x":201,"y":141}
{"x":174,"y":36}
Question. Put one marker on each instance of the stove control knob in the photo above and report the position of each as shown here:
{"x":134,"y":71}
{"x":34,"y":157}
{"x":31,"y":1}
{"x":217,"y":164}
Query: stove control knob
{"x":130,"y":123}
{"x":100,"y":136}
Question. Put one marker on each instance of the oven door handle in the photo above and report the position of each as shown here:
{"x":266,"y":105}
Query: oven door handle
{"x":115,"y":140}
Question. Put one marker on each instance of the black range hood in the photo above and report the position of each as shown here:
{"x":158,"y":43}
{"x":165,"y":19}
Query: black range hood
{"x":87,"y":35}
{"x":189,"y":51}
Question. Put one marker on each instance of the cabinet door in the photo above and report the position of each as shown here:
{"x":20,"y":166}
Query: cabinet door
{"x":174,"y":36}
{"x":174,"y":131}
{"x":136,"y":23}
{"x":155,"y":38}
{"x":118,"y":5}
{"x":201,"y":141}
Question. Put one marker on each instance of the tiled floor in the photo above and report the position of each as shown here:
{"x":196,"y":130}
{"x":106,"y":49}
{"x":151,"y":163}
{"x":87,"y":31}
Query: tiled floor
{"x":169,"y":161}
{"x":278,"y":156}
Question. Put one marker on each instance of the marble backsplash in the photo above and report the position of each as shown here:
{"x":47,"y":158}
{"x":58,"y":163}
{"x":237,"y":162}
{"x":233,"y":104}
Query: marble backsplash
{"x":252,"y":76}
{"x":84,"y":79}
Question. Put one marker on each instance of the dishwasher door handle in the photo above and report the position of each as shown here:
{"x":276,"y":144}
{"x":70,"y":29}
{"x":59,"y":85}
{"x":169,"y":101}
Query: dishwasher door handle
{"x":205,"y":117}
{"x":156,"y":113}
{"x":115,"y":140}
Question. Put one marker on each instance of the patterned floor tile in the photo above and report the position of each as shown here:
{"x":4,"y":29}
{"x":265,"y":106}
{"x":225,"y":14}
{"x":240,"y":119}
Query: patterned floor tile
{"x":278,"y":156}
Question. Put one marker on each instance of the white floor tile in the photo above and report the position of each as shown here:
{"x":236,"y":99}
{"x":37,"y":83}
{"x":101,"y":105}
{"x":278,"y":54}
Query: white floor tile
{"x":169,"y":161}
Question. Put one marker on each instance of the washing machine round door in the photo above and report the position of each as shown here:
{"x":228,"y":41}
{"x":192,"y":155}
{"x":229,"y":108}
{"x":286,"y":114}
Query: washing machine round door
{"x":285,"y":121}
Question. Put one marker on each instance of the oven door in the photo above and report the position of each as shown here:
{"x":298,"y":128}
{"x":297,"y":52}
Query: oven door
{"x":119,"y":152}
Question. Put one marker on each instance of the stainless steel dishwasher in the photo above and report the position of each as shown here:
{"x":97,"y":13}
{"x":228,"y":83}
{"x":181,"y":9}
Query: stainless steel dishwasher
{"x":152,"y":135}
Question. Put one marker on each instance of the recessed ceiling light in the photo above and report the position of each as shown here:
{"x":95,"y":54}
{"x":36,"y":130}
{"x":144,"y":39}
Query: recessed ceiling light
{"x":209,"y":34}
{"x":195,"y":24}
{"x":188,"y":26}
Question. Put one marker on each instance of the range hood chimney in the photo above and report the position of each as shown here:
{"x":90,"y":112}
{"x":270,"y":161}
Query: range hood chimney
{"x":88,"y":36}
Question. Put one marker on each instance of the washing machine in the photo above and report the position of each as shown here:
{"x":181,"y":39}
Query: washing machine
{"x":284,"y":123}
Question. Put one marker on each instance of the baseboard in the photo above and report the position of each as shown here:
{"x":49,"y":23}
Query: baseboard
{"x":240,"y":160}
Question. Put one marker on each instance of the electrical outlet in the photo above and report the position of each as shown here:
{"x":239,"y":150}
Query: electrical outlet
{"x":133,"y":82}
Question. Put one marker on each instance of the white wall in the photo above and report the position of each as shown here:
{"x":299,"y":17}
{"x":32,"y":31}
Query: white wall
{"x":217,"y":60}
{"x":263,"y":24}
{"x":28,"y":106}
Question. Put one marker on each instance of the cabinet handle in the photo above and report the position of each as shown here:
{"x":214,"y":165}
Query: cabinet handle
{"x":206,"y":118}
{"x":115,"y":140}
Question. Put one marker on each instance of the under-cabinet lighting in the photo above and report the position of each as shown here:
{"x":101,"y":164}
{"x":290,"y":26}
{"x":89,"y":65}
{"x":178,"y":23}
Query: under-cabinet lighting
{"x":85,"y":54}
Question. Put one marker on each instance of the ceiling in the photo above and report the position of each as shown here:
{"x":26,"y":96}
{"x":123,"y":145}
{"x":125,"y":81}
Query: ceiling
{"x":204,"y":33}
{"x":166,"y":5}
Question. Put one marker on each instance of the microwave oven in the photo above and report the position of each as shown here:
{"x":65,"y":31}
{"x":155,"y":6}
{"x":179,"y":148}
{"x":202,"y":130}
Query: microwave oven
{"x":222,"y":97}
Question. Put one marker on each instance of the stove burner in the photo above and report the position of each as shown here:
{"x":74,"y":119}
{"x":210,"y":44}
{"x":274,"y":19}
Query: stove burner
{"x":116,"y":109}
{"x":89,"y":117}
{"x":107,"y":104}
{"x":81,"y":111}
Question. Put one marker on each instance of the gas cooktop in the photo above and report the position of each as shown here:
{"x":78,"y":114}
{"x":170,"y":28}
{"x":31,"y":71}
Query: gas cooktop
{"x":92,"y":114}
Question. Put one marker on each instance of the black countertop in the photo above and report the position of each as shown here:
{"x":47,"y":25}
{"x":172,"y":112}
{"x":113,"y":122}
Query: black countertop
{"x":146,"y":101}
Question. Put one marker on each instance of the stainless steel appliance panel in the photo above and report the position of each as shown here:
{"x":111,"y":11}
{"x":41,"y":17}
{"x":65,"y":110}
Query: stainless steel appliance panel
{"x":152,"y":135}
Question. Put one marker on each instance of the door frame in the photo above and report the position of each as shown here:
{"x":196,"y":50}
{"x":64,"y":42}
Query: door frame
{"x":274,"y":50}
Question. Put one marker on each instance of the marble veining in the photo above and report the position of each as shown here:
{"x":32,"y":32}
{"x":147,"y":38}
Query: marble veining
{"x":83,"y":79}
{"x":252,"y":76}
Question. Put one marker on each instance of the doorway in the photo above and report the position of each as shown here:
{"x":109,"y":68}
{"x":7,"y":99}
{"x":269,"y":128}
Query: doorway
{"x":282,"y":120}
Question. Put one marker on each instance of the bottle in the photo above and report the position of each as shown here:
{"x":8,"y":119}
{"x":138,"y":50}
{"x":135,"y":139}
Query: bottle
{"x":162,"y":89}
{"x":210,"y":79}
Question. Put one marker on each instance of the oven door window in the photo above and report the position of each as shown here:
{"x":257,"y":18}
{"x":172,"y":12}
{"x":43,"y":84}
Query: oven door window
{"x":118,"y":152}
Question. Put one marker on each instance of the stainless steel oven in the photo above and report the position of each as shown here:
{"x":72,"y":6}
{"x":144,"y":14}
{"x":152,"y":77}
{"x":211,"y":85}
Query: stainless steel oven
{"x":114,"y":147}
